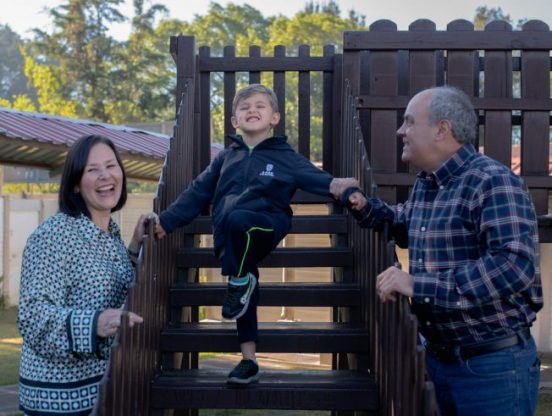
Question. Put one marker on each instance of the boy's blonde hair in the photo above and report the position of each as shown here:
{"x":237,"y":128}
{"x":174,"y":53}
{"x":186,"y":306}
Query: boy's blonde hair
{"x":251,"y":89}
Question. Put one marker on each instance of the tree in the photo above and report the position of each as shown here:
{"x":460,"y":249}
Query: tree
{"x":484,"y":15}
{"x":80,"y":51}
{"x":145,"y":94}
{"x":12,"y":77}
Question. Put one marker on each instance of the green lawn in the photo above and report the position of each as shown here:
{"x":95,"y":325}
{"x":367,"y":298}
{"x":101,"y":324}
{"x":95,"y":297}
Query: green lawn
{"x":10,"y":349}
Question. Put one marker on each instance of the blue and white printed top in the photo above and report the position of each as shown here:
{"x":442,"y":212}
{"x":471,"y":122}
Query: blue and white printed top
{"x":71,"y":272}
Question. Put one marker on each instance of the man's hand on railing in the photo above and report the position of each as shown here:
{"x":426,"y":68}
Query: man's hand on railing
{"x":339,"y":185}
{"x":392,"y":281}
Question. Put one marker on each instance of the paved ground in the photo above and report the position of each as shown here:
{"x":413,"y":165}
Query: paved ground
{"x":8,"y":394}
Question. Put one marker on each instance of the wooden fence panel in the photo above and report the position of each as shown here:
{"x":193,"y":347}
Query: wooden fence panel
{"x":383,"y":140}
{"x":498,"y":84}
{"x":304,"y":96}
{"x":535,"y":140}
{"x":229,"y":92}
{"x":254,"y":76}
{"x":280,"y":90}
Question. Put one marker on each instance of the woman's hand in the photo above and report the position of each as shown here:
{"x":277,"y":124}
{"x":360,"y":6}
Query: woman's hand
{"x":140,"y":230}
{"x":109,"y":321}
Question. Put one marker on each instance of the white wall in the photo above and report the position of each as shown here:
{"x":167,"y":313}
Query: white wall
{"x":19,"y":217}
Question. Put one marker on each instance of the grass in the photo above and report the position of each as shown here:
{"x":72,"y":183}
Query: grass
{"x":10,"y":350}
{"x":10,"y":347}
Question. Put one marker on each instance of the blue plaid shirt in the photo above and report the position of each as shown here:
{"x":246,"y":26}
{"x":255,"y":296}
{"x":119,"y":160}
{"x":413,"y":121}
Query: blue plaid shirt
{"x":473,"y":249}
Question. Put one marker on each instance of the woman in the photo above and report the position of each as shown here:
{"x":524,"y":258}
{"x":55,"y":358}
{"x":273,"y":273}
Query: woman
{"x":75,"y":275}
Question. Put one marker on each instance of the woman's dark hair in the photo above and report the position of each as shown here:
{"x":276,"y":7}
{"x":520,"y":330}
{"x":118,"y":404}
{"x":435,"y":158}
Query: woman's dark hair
{"x":71,"y":202}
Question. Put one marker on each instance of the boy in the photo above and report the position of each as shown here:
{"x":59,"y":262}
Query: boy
{"x":250,"y":185}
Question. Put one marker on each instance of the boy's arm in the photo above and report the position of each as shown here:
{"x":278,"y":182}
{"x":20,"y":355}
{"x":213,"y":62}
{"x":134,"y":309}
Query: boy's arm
{"x":193,"y":200}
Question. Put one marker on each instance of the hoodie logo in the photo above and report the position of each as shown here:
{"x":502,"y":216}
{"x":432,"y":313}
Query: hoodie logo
{"x":268,"y":170}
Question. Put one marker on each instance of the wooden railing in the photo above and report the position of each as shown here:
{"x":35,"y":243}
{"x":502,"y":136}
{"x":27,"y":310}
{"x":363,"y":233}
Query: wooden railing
{"x":135,"y":355}
{"x":396,"y":359}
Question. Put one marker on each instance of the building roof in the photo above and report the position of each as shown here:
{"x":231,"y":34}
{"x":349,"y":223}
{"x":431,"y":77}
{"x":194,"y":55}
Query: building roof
{"x":41,"y":140}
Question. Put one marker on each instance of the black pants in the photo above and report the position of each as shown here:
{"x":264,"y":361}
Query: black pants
{"x":249,"y":237}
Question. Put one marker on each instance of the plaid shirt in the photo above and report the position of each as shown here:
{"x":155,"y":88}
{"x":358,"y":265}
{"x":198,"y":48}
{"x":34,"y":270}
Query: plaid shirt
{"x":473,"y":249}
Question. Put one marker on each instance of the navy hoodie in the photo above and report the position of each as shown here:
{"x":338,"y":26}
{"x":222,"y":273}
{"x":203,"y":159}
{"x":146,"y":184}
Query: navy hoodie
{"x":262,"y":179}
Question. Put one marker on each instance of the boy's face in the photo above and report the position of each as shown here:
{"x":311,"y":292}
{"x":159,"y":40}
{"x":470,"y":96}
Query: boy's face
{"x":255,"y":116}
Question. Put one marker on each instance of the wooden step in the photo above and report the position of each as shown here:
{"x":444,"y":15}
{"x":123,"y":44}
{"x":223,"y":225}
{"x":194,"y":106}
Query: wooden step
{"x":280,"y":257}
{"x":284,"y":337}
{"x":302,"y":197}
{"x":300,"y":224}
{"x":303,"y":389}
{"x":273,"y":294}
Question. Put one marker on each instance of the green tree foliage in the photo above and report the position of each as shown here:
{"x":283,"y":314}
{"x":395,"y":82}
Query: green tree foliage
{"x":80,"y":52}
{"x":12,"y":78}
{"x":484,"y":15}
{"x":141,"y":87}
{"x":318,"y":24}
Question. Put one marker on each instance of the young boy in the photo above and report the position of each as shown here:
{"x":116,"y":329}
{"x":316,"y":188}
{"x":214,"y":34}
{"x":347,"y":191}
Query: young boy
{"x":250,"y":185}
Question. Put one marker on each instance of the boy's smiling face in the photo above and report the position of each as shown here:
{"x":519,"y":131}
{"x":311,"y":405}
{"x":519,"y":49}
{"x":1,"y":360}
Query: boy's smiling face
{"x":255,"y":117}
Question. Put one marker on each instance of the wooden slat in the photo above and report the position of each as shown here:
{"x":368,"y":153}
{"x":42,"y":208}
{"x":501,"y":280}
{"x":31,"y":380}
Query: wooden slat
{"x":486,"y":103}
{"x":383,"y":124}
{"x":422,"y":64}
{"x":330,"y":110}
{"x":390,"y":179}
{"x":277,"y":337}
{"x":304,"y":389}
{"x":535,"y":84}
{"x":280,"y":257}
{"x":498,"y":84}
{"x":462,"y":66}
{"x":274,"y":294}
{"x":304,"y":95}
{"x":205,"y":105}
{"x":229,"y":93}
{"x":280,"y":90}
{"x":300,"y":224}
{"x":254,"y":76}
{"x":429,"y":40}
{"x":276,"y":63}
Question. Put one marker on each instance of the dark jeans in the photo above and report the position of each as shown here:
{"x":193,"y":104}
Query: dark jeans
{"x":250,"y":237}
{"x":501,"y":383}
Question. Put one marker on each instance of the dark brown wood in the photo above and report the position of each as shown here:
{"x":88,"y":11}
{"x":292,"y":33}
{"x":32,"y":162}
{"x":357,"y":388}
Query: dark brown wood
{"x":304,"y":96}
{"x":280,"y":257}
{"x":311,"y":390}
{"x":276,"y":63}
{"x":430,"y":40}
{"x":487,"y":103}
{"x":229,"y":93}
{"x":205,"y":104}
{"x":498,"y":84}
{"x":280,"y":90}
{"x":274,"y":294}
{"x":294,"y":337}
{"x":535,"y":140}
{"x":382,"y":140}
{"x":330,"y":113}
{"x":300,"y":224}
{"x":254,"y":76}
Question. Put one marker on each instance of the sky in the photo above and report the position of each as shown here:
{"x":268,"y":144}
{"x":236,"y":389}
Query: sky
{"x":23,"y":15}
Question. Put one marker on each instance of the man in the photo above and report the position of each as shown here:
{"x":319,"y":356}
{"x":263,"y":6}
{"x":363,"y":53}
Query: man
{"x":473,"y":257}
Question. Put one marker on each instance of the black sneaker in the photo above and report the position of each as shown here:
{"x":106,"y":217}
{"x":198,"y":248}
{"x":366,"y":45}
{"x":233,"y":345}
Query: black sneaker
{"x":247,"y":371}
{"x":237,"y":298}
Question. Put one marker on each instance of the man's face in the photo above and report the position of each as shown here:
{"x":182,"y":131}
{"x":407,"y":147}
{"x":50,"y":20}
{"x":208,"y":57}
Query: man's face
{"x":254,"y":115}
{"x":417,"y":133}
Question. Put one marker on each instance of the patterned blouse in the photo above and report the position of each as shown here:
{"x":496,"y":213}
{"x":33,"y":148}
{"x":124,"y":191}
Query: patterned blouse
{"x":71,"y":272}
